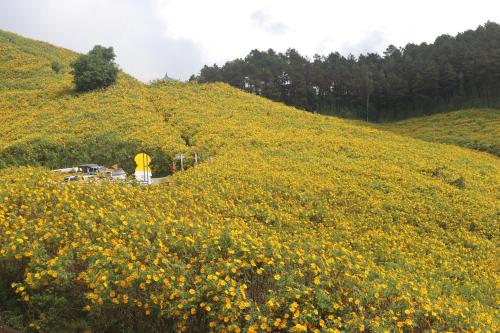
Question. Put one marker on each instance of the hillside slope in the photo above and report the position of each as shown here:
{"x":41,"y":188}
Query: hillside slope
{"x":292,"y":222}
{"x":45,"y":123}
{"x":475,"y":128}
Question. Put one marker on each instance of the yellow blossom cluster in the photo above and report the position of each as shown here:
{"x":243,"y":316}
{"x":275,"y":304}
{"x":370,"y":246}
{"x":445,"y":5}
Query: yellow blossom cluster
{"x":168,"y":257}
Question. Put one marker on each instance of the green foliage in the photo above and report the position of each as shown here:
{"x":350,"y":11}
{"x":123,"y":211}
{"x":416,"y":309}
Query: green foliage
{"x":107,"y":149}
{"x":459,"y":182}
{"x":56,"y":67}
{"x":95,"y":70}
{"x":11,"y":309}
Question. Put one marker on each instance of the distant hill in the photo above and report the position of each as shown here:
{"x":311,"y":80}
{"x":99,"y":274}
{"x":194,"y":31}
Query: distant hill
{"x":475,"y":128}
{"x":291,"y":222}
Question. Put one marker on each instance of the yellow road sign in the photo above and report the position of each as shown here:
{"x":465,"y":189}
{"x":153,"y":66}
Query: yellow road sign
{"x":142,"y":161}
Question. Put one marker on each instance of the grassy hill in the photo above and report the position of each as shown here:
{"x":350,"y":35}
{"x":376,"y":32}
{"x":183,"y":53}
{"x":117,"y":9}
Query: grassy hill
{"x":292,"y":222}
{"x":475,"y":128}
{"x":46,"y":123}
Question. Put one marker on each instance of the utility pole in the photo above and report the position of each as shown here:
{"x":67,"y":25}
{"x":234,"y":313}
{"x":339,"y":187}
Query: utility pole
{"x":195,"y":158}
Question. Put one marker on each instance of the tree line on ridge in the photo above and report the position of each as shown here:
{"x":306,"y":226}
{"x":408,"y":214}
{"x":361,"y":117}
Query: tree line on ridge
{"x":453,"y":72}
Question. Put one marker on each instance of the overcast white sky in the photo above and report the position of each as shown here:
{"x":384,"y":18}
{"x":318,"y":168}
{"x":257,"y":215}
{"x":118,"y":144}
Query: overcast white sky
{"x":152,"y":37}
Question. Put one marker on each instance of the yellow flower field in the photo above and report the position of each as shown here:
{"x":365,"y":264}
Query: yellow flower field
{"x":293,"y":222}
{"x":474,"y":128}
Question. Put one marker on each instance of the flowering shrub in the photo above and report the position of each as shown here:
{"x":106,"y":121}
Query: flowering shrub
{"x":293,"y":221}
{"x":193,"y":257}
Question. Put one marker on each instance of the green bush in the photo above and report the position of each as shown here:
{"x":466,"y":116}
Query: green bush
{"x":104,"y":149}
{"x":56,"y":67}
{"x":95,"y":70}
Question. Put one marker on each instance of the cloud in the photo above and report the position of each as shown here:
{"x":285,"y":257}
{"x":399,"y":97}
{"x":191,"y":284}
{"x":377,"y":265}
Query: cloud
{"x":227,"y":29}
{"x":133,"y":28}
{"x":265,"y":22}
{"x":152,"y":37}
{"x":371,"y":41}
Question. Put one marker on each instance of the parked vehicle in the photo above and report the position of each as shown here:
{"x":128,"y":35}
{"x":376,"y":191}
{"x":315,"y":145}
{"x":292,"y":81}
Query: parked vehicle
{"x":71,"y":178}
{"x":93,"y":172}
{"x":115,"y":174}
{"x":91,"y":169}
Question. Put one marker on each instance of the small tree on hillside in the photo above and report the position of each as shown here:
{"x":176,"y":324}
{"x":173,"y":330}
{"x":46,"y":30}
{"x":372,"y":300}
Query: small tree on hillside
{"x":96,"y":69}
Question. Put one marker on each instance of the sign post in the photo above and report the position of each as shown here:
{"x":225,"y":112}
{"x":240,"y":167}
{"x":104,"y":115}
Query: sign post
{"x":181,"y":157}
{"x":143,"y":171}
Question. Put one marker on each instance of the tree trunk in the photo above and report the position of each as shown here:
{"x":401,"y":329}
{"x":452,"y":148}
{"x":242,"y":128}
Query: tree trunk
{"x":367,"y":105}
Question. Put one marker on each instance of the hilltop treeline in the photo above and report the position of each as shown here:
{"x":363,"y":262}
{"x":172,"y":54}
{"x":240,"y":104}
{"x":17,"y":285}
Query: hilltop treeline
{"x":451,"y":73}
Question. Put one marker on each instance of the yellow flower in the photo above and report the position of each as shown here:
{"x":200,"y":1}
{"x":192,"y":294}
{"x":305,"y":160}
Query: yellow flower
{"x":299,"y":328}
{"x":316,"y":280}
